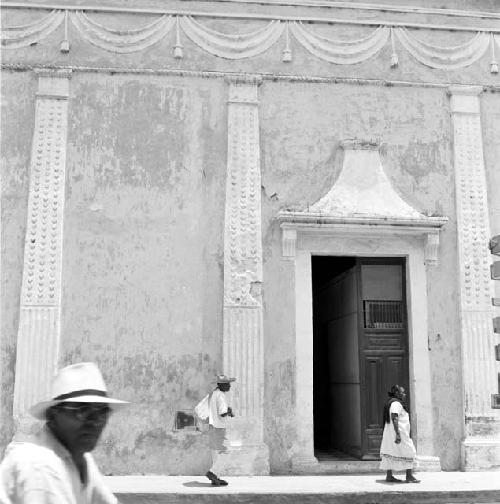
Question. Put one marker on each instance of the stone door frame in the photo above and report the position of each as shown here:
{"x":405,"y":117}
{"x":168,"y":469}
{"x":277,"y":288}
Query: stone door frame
{"x":416,"y":246}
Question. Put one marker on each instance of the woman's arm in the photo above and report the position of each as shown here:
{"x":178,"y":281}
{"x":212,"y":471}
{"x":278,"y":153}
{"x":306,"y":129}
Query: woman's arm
{"x":395,"y":422}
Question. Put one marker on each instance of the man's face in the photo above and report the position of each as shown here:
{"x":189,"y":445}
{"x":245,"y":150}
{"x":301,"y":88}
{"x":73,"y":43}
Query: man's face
{"x":78,"y":425}
{"x":224,"y":386}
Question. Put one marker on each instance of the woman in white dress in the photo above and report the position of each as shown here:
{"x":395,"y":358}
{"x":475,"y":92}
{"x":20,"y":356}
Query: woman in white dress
{"x":397,"y":451}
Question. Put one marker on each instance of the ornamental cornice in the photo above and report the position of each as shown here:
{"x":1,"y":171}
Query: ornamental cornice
{"x":403,"y":9}
{"x":212,"y":74}
{"x":230,"y":8}
{"x":227,"y":14}
{"x":294,"y":225}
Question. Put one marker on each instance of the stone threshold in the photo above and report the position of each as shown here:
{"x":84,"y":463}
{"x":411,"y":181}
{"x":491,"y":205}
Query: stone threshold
{"x":332,"y":467}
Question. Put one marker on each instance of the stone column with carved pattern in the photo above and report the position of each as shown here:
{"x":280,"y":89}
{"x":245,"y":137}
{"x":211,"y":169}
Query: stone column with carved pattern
{"x":39,"y":318}
{"x":481,"y":444}
{"x":243,"y":333}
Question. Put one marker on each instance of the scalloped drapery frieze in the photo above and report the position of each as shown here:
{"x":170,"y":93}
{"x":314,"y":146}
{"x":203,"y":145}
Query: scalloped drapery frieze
{"x":15,"y":37}
{"x":446,"y":58}
{"x":236,"y":46}
{"x":242,"y":44}
{"x":121,"y":41}
{"x":341,"y":52}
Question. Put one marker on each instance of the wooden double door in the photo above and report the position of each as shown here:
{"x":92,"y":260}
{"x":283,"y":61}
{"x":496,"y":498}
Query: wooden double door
{"x":360,"y":349}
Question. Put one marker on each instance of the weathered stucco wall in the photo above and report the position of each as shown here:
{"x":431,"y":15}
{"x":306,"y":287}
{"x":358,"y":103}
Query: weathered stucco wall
{"x":142,"y":283}
{"x":18,"y":108}
{"x":302,"y":126}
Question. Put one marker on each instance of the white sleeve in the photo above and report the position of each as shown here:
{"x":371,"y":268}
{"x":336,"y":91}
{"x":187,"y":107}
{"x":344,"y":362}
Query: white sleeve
{"x":100,"y":492}
{"x":33,"y":476}
{"x":41,"y":484}
{"x":396,"y":407}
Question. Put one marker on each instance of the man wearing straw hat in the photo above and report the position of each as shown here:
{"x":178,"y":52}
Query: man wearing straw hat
{"x":55,"y":465}
{"x":219,"y":411}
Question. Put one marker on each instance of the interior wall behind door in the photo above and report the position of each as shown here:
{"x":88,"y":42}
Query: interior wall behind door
{"x":341,"y":316}
{"x":336,"y":356}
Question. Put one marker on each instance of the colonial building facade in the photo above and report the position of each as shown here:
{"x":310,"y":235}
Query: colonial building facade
{"x":296,"y":193}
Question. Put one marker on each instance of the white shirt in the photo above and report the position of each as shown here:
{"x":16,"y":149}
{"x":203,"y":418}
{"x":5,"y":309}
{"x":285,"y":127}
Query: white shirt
{"x":217,"y":407}
{"x":41,"y":471}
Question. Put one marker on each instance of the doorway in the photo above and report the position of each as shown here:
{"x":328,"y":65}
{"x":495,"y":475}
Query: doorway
{"x":360,"y":348}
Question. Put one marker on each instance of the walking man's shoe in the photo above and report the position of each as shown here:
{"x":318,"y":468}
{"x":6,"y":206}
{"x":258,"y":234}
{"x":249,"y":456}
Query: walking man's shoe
{"x":211,"y":476}
{"x":219,"y":482}
{"x":215,"y":480}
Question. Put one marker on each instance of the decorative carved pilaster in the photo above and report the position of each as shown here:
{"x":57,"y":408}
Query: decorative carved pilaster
{"x":39,"y":325}
{"x":243,"y":333}
{"x":243,"y":241}
{"x":479,"y":374}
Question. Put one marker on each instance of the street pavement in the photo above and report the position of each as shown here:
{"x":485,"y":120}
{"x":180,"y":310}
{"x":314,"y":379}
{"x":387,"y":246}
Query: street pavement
{"x":435,"y":487}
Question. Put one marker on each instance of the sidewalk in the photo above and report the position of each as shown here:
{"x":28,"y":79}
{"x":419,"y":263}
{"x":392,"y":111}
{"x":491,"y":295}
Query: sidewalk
{"x":437,"y":487}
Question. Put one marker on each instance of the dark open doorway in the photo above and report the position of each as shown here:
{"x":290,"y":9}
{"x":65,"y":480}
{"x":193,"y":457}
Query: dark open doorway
{"x":360,"y":350}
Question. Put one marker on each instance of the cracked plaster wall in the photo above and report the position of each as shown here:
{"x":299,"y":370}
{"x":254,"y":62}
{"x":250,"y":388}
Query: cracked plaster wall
{"x":142,"y":285}
{"x":143,"y":257}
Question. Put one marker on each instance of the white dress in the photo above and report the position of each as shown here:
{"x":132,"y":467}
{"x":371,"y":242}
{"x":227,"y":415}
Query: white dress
{"x":397,"y":457}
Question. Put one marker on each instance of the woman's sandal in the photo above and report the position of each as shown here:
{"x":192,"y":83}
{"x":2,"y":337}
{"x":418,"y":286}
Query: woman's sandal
{"x":413,"y":480}
{"x":392,"y":479}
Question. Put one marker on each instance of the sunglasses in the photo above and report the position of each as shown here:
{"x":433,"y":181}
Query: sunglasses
{"x":85,"y":411}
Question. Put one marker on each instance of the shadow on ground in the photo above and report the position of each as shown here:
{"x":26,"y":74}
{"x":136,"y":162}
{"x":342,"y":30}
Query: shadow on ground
{"x":197,"y":484}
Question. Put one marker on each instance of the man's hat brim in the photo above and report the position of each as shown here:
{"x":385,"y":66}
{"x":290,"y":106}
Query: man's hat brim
{"x":38,"y":410}
{"x":224,"y":380}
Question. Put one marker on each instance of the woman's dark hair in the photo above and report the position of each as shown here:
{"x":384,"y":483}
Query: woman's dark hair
{"x":394,"y":390}
{"x":387,"y":406}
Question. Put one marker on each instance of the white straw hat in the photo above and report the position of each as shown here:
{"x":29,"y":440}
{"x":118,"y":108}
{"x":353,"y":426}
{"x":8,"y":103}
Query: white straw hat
{"x":222,"y":378}
{"x":81,"y":382}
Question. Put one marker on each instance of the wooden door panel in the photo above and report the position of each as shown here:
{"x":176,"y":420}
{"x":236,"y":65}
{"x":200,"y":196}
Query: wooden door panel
{"x":381,"y":372}
{"x":373,"y":380}
{"x":373,"y":366}
{"x":383,"y":354}
{"x":383,"y":342}
{"x":394,"y":371}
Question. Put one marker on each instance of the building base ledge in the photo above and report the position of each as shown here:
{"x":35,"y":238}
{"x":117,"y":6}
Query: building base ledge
{"x":480,"y":454}
{"x":428,"y":463}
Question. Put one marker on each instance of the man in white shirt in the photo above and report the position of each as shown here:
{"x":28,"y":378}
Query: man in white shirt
{"x":55,"y":466}
{"x":219,"y":412}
